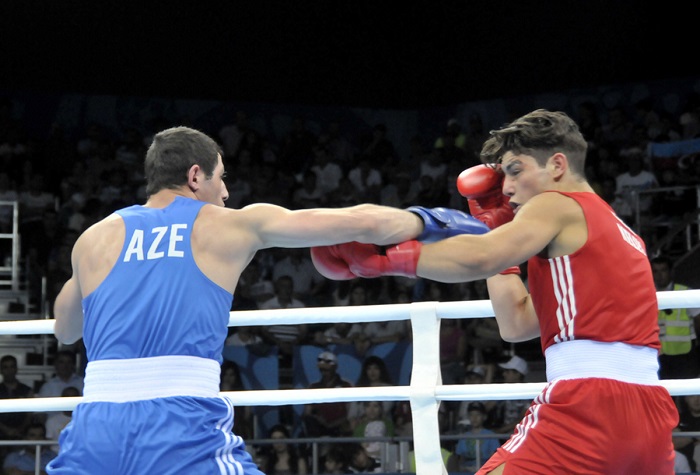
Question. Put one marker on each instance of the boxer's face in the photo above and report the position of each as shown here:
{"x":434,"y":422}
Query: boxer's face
{"x":213,"y":190}
{"x":524,"y":178}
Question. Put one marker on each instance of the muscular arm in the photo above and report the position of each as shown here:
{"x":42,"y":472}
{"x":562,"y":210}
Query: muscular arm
{"x":512,"y":306}
{"x":279,"y":227}
{"x":68,"y":311}
{"x":548,"y":222}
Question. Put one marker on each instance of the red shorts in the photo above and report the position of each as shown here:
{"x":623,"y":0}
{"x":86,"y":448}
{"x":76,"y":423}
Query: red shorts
{"x":592,"y":426}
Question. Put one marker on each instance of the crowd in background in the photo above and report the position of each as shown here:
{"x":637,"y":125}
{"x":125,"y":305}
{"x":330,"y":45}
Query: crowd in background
{"x":68,"y":180}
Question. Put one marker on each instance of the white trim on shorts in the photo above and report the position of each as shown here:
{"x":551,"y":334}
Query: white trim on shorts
{"x":595,"y":359}
{"x":139,"y":379}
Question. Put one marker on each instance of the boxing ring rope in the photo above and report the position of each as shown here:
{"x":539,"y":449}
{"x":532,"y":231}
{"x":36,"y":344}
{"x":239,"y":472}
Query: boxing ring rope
{"x":425,"y":391}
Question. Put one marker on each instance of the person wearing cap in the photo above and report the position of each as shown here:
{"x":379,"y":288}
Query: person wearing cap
{"x":474,"y":452}
{"x":330,"y":418}
{"x":474,"y":374}
{"x":505,"y":415}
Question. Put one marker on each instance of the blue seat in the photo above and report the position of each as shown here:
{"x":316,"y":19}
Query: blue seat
{"x":258,"y":372}
{"x":398,"y":357}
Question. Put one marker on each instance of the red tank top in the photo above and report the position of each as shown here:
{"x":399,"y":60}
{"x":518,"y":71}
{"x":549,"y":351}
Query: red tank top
{"x":604,"y":291}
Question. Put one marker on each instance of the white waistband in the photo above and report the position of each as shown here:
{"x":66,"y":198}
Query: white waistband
{"x":594,"y":359}
{"x":149,"y":378}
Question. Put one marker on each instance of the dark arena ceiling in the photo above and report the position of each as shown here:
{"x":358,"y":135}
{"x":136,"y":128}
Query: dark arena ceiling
{"x":374,"y":54}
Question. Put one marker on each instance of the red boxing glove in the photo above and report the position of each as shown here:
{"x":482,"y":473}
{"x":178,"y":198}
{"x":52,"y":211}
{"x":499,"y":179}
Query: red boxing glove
{"x":511,"y":270}
{"x":353,"y":259}
{"x":330,"y":264}
{"x":482,"y":186}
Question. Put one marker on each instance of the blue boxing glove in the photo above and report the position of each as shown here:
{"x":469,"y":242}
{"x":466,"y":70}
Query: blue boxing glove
{"x":441,"y":223}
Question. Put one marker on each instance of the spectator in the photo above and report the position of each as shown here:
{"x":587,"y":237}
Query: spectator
{"x":431,"y":192}
{"x":285,"y":459}
{"x":39,"y":238}
{"x":341,"y":149}
{"x":689,"y":421}
{"x":449,"y":458}
{"x":616,"y":131}
{"x":244,"y":336}
{"x":473,"y":375}
{"x":477,"y":133}
{"x":34,"y":200}
{"x":131,"y":149}
{"x":434,"y":166}
{"x":339,"y":333}
{"x":474,"y":452}
{"x":114,"y":188}
{"x":331,"y":418}
{"x":345,"y":195}
{"x":453,"y":134}
{"x":366,"y":179}
{"x":403,"y":419}
{"x":633,"y":181}
{"x":231,"y":134}
{"x":308,"y":194}
{"x":241,"y":183}
{"x":680,"y":357}
{"x":380,"y":150}
{"x":589,"y":122}
{"x":284,"y":336}
{"x":335,"y":461}
{"x":58,"y":420}
{"x":65,"y":376}
{"x":453,"y":350}
{"x":400,"y":191}
{"x":231,"y":378}
{"x":327,"y":170}
{"x":681,"y":464}
{"x":386,"y":332}
{"x":22,"y":461}
{"x":231,"y":381}
{"x":297,"y":148}
{"x":12,"y":424}
{"x":361,"y":461}
{"x":308,"y":283}
{"x":374,"y":373}
{"x":505,"y":415}
{"x":254,"y":285}
{"x":374,"y":424}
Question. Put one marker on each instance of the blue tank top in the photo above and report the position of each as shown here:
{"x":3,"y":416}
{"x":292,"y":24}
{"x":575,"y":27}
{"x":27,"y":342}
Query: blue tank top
{"x":156,"y":301}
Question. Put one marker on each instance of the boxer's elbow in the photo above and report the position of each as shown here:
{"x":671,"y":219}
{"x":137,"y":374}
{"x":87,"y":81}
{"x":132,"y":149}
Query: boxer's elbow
{"x":67,"y":332}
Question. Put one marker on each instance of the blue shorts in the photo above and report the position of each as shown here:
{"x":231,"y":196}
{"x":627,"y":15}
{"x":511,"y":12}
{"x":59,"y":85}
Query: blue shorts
{"x":172,"y":435}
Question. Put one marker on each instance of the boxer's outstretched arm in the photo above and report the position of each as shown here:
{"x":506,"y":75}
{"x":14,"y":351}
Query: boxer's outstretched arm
{"x":464,"y":258}
{"x":368,"y":223}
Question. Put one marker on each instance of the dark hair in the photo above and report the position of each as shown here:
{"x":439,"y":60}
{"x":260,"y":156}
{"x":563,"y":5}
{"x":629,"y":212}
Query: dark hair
{"x":280,"y":428}
{"x":228,"y":364}
{"x":36,"y":425}
{"x":538,"y":134}
{"x":70,"y":354}
{"x":8,"y":358}
{"x":173,"y":152}
{"x":337,"y":453}
{"x":294,"y":454}
{"x":662,"y":260}
{"x":363,"y":381}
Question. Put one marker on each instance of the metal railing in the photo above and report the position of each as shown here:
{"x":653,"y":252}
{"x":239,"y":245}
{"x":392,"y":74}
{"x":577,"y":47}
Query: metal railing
{"x":402,"y":463}
{"x":684,"y":224}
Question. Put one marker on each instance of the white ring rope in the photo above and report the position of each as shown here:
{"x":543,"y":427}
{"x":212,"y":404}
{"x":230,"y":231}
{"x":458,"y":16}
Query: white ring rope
{"x":426,"y":389}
